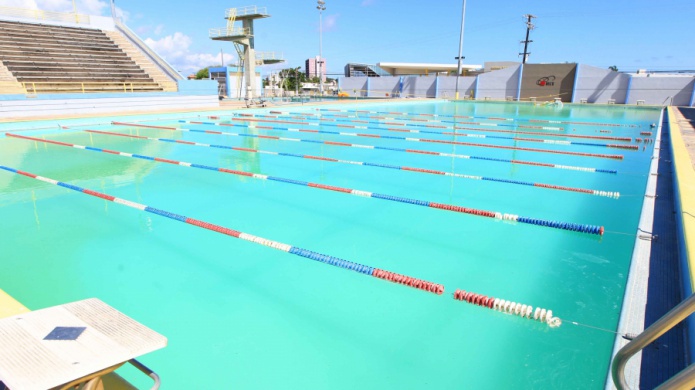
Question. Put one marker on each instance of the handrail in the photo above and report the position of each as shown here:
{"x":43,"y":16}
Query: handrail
{"x":84,"y":86}
{"x":684,"y":379}
{"x":243,"y":11}
{"x":227,"y":32}
{"x":148,"y":372}
{"x":161,"y":62}
{"x":269,"y":55}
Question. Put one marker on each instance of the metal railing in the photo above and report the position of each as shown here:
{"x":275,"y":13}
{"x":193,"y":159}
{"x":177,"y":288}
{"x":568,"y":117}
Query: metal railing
{"x":244,"y":11}
{"x":139,"y":44}
{"x":684,"y":379}
{"x":269,"y":56}
{"x":148,"y":372}
{"x":94,"y":380}
{"x":229,"y":32}
{"x":47,"y":87}
{"x":45,"y":15}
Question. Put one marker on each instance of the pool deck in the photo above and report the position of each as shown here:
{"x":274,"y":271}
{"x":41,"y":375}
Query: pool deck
{"x":225,"y":105}
{"x":683,"y":120}
{"x":672,"y":258}
{"x":667,"y":355}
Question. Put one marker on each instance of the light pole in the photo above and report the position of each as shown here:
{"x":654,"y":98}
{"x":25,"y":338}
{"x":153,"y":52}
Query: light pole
{"x":321,"y":7}
{"x":459,"y":58}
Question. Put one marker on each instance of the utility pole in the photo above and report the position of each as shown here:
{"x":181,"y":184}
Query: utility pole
{"x":529,"y":26}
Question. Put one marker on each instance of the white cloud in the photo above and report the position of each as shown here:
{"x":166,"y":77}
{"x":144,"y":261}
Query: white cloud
{"x":92,"y":7}
{"x":122,"y":14}
{"x":330,"y":22}
{"x":159,"y":29}
{"x":176,"y":50}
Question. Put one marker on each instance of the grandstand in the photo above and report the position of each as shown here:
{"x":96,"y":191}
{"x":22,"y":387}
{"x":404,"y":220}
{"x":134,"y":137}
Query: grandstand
{"x":59,"y":59}
{"x":48,"y":59}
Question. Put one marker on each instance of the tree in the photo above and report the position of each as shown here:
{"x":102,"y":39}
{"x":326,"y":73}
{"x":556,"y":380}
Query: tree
{"x":613,"y":68}
{"x":203,"y":74}
{"x":292,"y":78}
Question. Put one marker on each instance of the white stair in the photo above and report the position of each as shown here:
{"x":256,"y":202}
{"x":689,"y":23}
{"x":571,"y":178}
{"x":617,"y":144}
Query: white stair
{"x":142,"y":61}
{"x":8,"y":83}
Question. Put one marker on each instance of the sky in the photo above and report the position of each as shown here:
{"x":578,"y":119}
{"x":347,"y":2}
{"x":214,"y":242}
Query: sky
{"x":631,"y":35}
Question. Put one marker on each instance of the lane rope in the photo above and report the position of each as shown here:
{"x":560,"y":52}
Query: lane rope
{"x":363,"y":146}
{"x":509,"y":307}
{"x":454,"y":127}
{"x":583,"y":228}
{"x":423,"y":140}
{"x":607,"y":194}
{"x":480,"y":117}
{"x":322,"y":258}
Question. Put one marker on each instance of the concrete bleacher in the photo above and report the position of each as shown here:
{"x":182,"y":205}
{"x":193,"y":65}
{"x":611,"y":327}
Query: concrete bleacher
{"x":57,"y":59}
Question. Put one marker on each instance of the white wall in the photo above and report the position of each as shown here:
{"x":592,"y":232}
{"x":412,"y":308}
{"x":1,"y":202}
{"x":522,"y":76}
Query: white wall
{"x":598,"y":85}
{"x":660,"y":90}
{"x":27,"y":108}
{"x":419,"y":86}
{"x":380,"y":86}
{"x":446,"y":87}
{"x":355,"y":86}
{"x":499,"y":84}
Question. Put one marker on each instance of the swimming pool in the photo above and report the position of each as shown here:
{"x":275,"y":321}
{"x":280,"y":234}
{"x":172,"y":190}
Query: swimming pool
{"x":246,"y":316}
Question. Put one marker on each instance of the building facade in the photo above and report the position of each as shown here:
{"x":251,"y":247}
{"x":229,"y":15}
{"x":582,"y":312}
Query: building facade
{"x":312,"y":69}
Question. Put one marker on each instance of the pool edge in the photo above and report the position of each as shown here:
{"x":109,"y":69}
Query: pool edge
{"x":634,"y":303}
{"x":10,"y":306}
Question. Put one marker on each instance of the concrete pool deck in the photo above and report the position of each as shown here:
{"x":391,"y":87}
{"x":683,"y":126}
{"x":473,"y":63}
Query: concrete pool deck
{"x":682,"y":123}
{"x":225,"y":105}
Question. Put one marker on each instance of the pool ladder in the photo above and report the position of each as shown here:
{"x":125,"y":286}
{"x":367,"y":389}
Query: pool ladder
{"x":684,"y":379}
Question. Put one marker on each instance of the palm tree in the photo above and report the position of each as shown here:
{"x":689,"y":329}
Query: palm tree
{"x":292,"y":78}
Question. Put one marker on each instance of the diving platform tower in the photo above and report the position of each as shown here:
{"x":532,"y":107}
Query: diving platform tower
{"x":243,"y":39}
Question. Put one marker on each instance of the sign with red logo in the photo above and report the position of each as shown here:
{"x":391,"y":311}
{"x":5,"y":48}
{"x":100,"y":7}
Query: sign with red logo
{"x":546,"y":81}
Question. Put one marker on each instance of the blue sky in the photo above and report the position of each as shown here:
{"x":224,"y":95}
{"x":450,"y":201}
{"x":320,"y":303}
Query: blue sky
{"x":629,"y":34}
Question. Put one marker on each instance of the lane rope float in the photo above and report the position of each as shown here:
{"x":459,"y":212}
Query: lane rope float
{"x":322,"y":258}
{"x":454,"y":127}
{"x":583,"y":228}
{"x":479,"y":117}
{"x":608,"y":194}
{"x":454,"y":133}
{"x":509,"y":307}
{"x":423,"y":140}
{"x":363,"y":146}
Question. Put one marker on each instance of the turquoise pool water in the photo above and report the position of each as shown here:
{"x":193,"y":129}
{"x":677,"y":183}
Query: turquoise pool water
{"x":240,"y":315}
